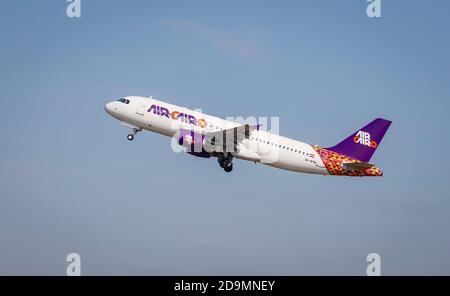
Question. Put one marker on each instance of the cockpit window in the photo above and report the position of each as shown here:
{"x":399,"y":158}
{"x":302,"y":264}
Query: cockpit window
{"x":125,"y":101}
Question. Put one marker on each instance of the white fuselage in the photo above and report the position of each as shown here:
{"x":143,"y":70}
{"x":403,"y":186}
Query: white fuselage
{"x":262,"y":146}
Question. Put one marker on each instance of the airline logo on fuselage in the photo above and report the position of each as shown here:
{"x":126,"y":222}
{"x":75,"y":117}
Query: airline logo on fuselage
{"x":363,"y":138}
{"x":176,"y":115}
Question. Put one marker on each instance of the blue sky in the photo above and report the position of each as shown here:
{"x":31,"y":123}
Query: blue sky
{"x":71,"y":182}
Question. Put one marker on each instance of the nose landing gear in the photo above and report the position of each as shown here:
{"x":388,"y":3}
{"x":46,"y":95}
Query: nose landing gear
{"x":130,"y":137}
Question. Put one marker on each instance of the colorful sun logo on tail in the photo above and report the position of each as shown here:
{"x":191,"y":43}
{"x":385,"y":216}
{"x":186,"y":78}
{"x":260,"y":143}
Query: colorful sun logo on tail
{"x":363,"y":138}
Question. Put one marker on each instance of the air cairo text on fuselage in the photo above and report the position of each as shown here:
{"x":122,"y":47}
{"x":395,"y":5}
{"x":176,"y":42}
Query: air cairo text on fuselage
{"x":175,"y":115}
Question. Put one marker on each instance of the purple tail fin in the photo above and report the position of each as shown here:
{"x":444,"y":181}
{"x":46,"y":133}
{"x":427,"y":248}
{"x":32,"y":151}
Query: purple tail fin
{"x":362,"y":144}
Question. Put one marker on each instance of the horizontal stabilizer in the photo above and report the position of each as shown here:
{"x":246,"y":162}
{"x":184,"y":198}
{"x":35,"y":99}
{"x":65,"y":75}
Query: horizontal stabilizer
{"x":357,"y":166}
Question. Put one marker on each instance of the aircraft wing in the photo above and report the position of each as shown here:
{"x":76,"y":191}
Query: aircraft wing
{"x":228,"y":139}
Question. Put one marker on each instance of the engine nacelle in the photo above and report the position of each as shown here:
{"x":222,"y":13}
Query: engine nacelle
{"x":193,"y":142}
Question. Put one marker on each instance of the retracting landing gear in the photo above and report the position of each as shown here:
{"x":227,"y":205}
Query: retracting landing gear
{"x":228,"y":168}
{"x":130,"y":137}
{"x":225,"y":161}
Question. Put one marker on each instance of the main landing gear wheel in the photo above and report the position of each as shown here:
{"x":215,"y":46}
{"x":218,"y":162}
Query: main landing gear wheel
{"x":224,"y":164}
{"x":225,"y":161}
{"x":228,"y":168}
{"x":130,"y":137}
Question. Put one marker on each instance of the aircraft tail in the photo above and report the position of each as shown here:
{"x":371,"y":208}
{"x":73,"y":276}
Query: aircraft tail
{"x":362,"y":144}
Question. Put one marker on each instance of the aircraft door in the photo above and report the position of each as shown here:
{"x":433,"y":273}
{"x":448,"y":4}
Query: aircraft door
{"x":142,"y":106}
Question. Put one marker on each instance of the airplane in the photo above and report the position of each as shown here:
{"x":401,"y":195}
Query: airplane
{"x":208,"y":136}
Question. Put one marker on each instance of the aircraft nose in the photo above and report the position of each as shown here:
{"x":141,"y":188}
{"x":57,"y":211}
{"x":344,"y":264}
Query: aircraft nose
{"x":109,"y":108}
